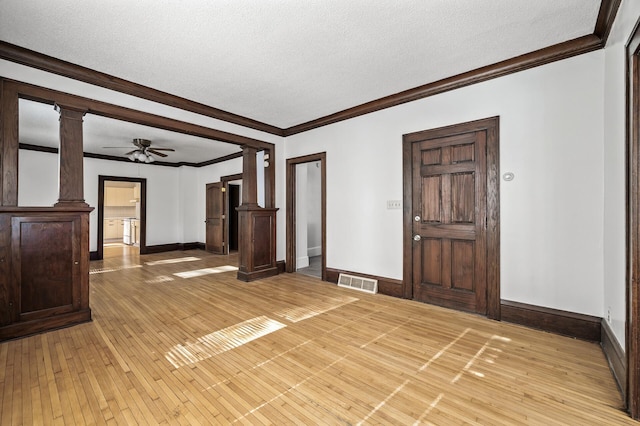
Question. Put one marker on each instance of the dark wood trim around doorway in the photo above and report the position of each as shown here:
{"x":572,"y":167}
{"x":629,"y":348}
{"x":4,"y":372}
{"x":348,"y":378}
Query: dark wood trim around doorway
{"x":491,"y":126}
{"x":632,"y":340}
{"x":290,"y":261}
{"x":227,"y":209}
{"x":143,"y":212}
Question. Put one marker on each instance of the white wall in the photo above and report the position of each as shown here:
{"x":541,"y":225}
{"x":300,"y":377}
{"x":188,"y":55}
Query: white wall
{"x":162,"y":197}
{"x":37,"y":178}
{"x":551,"y":127}
{"x":614,"y":168}
{"x":302,"y":251}
{"x":314,"y":209}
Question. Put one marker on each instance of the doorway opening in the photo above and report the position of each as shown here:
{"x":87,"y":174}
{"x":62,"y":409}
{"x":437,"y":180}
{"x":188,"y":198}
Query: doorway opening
{"x":306,"y":215}
{"x":121,"y":216}
{"x":222,"y":199}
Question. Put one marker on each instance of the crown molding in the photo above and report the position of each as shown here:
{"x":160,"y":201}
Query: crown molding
{"x":544,"y":56}
{"x":606,"y":17}
{"x":51,"y":150}
{"x":557,"y":52}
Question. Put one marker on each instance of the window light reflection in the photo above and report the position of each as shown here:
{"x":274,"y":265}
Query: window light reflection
{"x":206,"y":271}
{"x":175,"y":260}
{"x":221,"y":341}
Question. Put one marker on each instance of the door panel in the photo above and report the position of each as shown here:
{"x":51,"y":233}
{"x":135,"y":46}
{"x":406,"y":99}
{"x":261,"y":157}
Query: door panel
{"x":215,"y":218}
{"x":449,"y":227}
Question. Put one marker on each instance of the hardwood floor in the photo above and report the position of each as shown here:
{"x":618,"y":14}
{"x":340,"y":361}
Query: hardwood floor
{"x":176,"y":339}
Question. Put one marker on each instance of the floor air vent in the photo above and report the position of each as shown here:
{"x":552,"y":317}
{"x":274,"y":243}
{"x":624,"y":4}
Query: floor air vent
{"x":358,"y":283}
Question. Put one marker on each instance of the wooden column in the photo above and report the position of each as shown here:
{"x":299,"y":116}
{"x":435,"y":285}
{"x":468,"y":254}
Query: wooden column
{"x":71,"y":185}
{"x":249,"y":177}
{"x":256,"y":227}
{"x":8,"y":146}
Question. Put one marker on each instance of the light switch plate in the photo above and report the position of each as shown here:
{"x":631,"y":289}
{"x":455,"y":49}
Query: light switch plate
{"x":394,"y":204}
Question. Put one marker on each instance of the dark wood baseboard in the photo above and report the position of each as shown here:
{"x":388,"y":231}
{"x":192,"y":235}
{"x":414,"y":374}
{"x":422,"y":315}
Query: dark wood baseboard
{"x":93,"y":255}
{"x":257,"y":275}
{"x":161,"y":248}
{"x":616,"y":357}
{"x":386,"y":286}
{"x":282,"y":266}
{"x":27,"y":328}
{"x":192,"y":246}
{"x":585,"y":327}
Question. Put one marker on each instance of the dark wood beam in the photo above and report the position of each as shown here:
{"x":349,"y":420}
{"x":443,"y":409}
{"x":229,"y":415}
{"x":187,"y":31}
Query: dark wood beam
{"x":53,"y":65}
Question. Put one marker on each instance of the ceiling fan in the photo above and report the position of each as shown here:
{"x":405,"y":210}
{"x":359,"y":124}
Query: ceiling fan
{"x":143,"y":151}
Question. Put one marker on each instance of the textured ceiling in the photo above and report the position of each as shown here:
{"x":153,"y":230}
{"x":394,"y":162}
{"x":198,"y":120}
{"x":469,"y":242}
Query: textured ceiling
{"x":285,"y":62}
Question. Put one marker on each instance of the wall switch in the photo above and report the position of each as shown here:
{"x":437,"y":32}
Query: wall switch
{"x":394,"y":204}
{"x":609,"y":315}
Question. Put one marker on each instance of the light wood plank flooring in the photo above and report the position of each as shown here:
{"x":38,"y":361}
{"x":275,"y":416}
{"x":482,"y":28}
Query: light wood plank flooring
{"x":176,"y":339}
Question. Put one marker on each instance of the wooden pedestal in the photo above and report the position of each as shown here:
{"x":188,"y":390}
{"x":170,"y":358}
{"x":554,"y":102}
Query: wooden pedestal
{"x":257,"y":243}
{"x":44,"y":269}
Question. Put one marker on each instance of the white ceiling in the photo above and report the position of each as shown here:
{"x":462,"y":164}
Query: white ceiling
{"x":286,"y":62}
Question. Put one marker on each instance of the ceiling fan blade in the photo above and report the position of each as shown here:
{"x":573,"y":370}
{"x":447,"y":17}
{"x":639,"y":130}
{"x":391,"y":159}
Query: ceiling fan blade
{"x":115,"y":147}
{"x":131,"y":152}
{"x":164,"y":149}
{"x":153,"y":151}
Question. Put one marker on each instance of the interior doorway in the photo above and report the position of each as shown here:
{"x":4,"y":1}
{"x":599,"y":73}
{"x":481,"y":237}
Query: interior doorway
{"x":306,"y":215}
{"x":121,"y":216}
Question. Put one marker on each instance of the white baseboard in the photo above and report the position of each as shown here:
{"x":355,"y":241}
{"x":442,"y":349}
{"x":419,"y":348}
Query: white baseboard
{"x":302,"y":262}
{"x":314,"y":251}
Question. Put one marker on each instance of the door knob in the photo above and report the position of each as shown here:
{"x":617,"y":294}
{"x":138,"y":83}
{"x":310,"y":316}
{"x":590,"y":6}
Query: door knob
{"x":416,"y":238}
{"x":417,"y":218}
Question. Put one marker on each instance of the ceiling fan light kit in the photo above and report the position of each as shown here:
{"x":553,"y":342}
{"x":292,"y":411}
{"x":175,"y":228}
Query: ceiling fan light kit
{"x":143,"y":151}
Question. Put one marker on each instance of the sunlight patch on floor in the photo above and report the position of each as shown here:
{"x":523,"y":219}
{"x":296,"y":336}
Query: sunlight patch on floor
{"x":300,"y":313}
{"x":119,"y":268}
{"x":159,"y":279}
{"x":175,"y":260}
{"x":221,"y":341}
{"x":206,"y":271}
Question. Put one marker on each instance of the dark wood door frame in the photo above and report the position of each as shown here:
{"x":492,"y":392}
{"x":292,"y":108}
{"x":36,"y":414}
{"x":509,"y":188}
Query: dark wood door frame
{"x":291,"y":208}
{"x":491,"y":126}
{"x":143,"y":211}
{"x":632,"y":290}
{"x":225,"y":184}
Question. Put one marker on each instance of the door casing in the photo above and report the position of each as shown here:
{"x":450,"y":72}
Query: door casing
{"x":291,"y":209}
{"x":143,"y":211}
{"x":491,"y":126}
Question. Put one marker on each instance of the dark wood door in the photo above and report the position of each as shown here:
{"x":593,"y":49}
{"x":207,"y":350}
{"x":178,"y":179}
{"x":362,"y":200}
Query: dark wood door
{"x":449,"y":221}
{"x":214,"y":240}
{"x":234,"y":202}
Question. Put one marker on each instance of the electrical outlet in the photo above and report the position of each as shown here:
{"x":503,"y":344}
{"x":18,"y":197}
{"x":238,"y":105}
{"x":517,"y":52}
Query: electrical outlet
{"x":394,"y":204}
{"x":608,"y":315}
